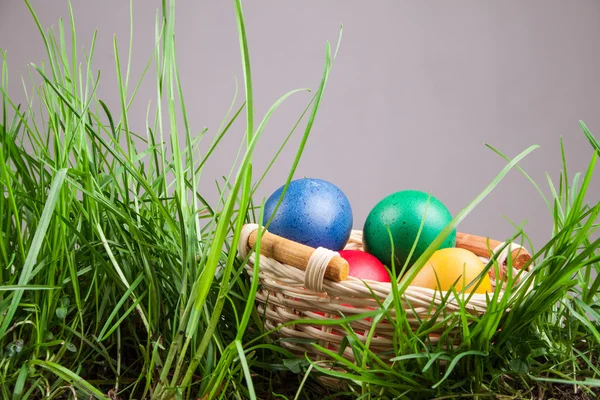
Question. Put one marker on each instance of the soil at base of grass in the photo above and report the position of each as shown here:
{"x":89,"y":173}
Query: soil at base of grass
{"x":567,"y":392}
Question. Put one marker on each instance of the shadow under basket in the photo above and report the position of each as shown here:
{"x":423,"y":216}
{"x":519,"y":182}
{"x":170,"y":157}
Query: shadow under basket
{"x":293,"y":292}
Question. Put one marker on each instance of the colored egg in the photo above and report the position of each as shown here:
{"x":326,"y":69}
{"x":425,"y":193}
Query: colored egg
{"x":365,"y":266}
{"x":453,"y":267}
{"x":313,"y":212}
{"x":403,"y":212}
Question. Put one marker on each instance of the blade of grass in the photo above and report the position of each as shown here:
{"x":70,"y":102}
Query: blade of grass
{"x":70,"y":377}
{"x":247,"y":374}
{"x":34,"y":249}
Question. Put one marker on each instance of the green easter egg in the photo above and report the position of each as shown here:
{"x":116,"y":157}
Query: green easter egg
{"x":403,"y":212}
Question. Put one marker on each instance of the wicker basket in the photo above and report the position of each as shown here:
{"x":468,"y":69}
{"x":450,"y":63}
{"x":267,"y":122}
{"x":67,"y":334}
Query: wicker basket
{"x":287,"y":293}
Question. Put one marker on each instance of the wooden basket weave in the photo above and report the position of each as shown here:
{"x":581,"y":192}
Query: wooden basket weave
{"x":287,"y":293}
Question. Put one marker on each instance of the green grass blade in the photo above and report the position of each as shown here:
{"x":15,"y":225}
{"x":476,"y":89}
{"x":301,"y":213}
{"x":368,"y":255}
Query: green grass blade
{"x":34,"y":249}
{"x":246,"y":369}
{"x":247,"y":71}
{"x":20,"y":383}
{"x":593,"y":141}
{"x":118,"y":306}
{"x":10,"y":288}
{"x":455,"y":361}
{"x":70,"y":377}
{"x":122,"y":318}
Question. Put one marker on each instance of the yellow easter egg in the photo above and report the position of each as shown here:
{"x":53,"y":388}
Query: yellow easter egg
{"x":452,"y":265}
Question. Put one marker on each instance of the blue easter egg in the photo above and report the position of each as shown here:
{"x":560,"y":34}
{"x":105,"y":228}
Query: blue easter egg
{"x":313,"y":212}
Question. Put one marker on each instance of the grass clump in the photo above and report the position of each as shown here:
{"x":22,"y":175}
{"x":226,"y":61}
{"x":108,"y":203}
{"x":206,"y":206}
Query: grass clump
{"x":117,"y":274}
{"x":120,"y":280}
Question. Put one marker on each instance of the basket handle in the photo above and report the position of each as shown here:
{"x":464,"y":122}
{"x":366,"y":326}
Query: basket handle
{"x":300,"y":256}
{"x":292,"y":253}
{"x":486,"y":247}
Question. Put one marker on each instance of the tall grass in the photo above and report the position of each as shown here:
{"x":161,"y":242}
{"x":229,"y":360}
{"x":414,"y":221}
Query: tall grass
{"x":118,"y":273}
{"x":120,"y":280}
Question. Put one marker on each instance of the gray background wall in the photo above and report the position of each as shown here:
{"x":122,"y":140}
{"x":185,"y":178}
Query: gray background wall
{"x":417,"y":89}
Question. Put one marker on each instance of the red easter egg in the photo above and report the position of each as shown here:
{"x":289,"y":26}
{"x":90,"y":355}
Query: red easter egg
{"x":365,"y":266}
